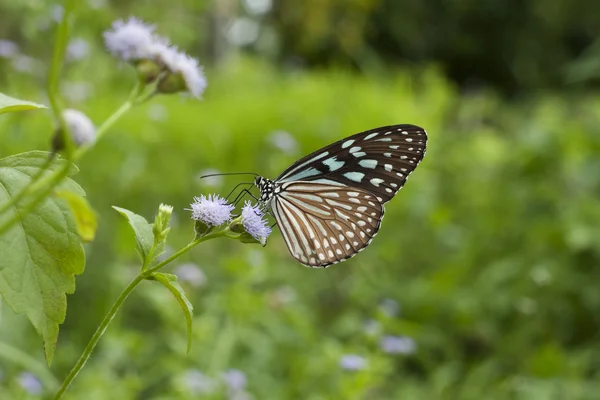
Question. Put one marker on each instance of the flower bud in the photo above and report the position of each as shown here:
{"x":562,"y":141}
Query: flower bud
{"x":80,"y":128}
{"x":160,"y":228}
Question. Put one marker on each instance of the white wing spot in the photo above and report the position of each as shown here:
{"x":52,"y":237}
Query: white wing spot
{"x":354,"y":176}
{"x":400,"y":175}
{"x":394,"y":147}
{"x":388,"y":132}
{"x":370,"y":136}
{"x":317,"y":244}
{"x":333,"y":164}
{"x":388,"y":190}
{"x":368,"y":230}
{"x":408,"y":140}
{"x":325,"y":243}
{"x":387,"y":154}
{"x":404,"y":132}
{"x":330,"y":254}
{"x":401,"y":157}
{"x":388,"y":167}
{"x":362,"y":208}
{"x":361,"y":223}
{"x":379,"y":199}
{"x":355,"y":243}
{"x":354,"y":149}
{"x":338,"y":251}
{"x":342,"y":237}
{"x":393,"y":185}
{"x":332,"y":240}
{"x":354,"y":200}
{"x":353,"y":194}
{"x":376,"y":181}
{"x":336,"y":225}
{"x":349,"y":234}
{"x":403,"y":169}
{"x":368,"y":163}
{"x":373,"y":204}
{"x":359,"y":154}
{"x":347,"y":246}
{"x":386,"y":139}
{"x":321,"y":256}
{"x":359,"y":215}
{"x":347,"y":143}
{"x":313,"y":260}
{"x":373,"y":214}
{"x":362,"y":234}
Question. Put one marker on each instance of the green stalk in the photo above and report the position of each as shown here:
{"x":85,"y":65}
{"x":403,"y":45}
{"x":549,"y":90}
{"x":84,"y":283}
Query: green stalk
{"x":119,"y":302}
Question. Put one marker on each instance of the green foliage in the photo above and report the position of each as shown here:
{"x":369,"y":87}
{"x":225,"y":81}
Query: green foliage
{"x":170,"y":282}
{"x":143,"y":234}
{"x":490,"y":251}
{"x":10,"y":104}
{"x":42,"y":253}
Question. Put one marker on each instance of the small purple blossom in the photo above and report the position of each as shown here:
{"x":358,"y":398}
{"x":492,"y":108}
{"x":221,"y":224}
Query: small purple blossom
{"x":235,"y":380}
{"x":284,"y":141}
{"x":353,"y":362}
{"x":130,"y":40}
{"x":181,"y":63}
{"x":81,"y":128}
{"x":390,"y":307}
{"x":192,"y":274}
{"x":212,"y":210}
{"x":254,"y":222}
{"x":30,"y":383}
{"x":8,"y":48}
{"x":198,"y":383}
{"x":397,"y":344}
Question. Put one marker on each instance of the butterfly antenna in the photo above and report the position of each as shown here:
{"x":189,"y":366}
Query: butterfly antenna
{"x":229,"y":173}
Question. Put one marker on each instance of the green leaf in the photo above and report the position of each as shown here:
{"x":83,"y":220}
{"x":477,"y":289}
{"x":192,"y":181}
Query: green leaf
{"x":10,"y":104}
{"x":143,"y":233}
{"x":42,"y":254}
{"x":171,"y":283}
{"x":84,"y":215}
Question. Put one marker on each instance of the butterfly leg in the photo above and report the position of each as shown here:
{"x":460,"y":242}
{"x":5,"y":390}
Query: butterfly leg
{"x":241,"y":195}
{"x":237,"y":186}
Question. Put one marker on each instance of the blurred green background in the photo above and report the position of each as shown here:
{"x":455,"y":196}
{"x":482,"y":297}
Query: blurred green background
{"x":484,"y":280}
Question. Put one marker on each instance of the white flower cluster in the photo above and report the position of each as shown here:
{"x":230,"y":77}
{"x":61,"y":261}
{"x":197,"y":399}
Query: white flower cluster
{"x":134,"y":41}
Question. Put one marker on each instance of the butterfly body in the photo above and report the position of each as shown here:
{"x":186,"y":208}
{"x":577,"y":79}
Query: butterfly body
{"x":330,"y":203}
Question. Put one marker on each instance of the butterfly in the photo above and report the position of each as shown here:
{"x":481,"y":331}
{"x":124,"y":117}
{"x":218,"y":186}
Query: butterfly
{"x":329,"y":204}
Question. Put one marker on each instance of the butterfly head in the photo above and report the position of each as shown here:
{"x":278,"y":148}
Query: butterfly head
{"x":266,"y":188}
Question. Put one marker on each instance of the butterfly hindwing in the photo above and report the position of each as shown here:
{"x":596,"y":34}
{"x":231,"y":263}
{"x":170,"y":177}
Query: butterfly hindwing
{"x":323,"y":224}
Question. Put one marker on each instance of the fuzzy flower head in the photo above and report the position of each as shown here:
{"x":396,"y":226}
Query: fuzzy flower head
{"x":212,"y":210}
{"x":154,"y":56}
{"x":130,"y":40}
{"x":80,"y":127}
{"x":353,"y":362}
{"x":254,"y":221}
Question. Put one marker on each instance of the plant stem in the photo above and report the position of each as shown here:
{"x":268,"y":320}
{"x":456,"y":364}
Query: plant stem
{"x":27,"y":189}
{"x":119,"y":302}
{"x":97,"y":335}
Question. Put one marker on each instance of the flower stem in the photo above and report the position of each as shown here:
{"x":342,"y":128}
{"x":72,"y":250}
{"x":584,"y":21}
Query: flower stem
{"x":27,"y":189}
{"x":119,"y":302}
{"x":96,"y":337}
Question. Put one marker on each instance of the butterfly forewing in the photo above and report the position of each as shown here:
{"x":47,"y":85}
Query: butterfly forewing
{"x":324,"y":224}
{"x":379,"y":160}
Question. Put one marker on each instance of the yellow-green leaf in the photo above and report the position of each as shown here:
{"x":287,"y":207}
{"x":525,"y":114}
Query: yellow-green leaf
{"x":84,"y":215}
{"x":10,"y":104}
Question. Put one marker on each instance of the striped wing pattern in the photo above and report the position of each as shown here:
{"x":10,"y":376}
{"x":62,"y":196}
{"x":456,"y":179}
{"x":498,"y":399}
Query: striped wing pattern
{"x":324,"y":224}
{"x":330,"y":203}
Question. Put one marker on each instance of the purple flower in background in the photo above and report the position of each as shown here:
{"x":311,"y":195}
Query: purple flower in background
{"x":191,"y":273}
{"x":198,"y":383}
{"x":30,"y":383}
{"x":390,"y":307}
{"x":78,"y":49}
{"x":284,"y":141}
{"x":254,"y":222}
{"x":397,"y":344}
{"x":8,"y":48}
{"x":235,"y":379}
{"x":212,"y":210}
{"x":353,"y":362}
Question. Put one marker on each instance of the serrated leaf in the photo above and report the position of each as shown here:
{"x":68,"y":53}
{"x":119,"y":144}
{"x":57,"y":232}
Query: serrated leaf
{"x":10,"y":104}
{"x":143,"y":233}
{"x":171,"y":283}
{"x":84,"y":215}
{"x":42,"y":254}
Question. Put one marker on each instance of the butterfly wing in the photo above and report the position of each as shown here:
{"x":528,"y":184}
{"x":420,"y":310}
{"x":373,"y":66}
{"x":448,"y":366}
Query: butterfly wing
{"x":323,"y":224}
{"x":379,"y":160}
